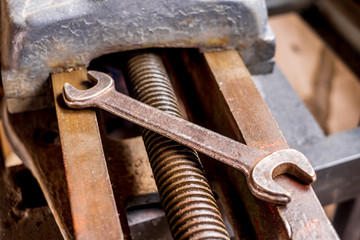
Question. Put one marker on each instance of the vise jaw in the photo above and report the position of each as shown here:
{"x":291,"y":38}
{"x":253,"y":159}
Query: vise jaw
{"x":40,"y":37}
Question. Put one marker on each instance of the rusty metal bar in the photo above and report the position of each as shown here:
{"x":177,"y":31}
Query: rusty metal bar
{"x":303,"y":217}
{"x":91,"y":197}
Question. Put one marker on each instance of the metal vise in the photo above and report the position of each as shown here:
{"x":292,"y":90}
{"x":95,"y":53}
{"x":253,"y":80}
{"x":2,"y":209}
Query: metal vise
{"x":41,"y":37}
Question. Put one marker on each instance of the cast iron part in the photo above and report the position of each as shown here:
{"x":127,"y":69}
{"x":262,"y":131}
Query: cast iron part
{"x":40,"y":37}
{"x":185,"y":193}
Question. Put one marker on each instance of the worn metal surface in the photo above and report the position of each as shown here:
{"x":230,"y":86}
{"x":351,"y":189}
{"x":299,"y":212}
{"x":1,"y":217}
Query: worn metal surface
{"x":295,"y":121}
{"x":38,"y":145}
{"x":221,"y":148}
{"x":347,"y":219}
{"x":202,"y":100}
{"x":148,"y":222}
{"x":24,"y":213}
{"x":188,"y":201}
{"x":335,"y":158}
{"x":91,"y":197}
{"x":303,"y":216}
{"x":40,"y":37}
{"x":23,"y":216}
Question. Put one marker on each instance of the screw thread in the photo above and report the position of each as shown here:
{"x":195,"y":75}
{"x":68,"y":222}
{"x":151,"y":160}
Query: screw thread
{"x":185,"y":193}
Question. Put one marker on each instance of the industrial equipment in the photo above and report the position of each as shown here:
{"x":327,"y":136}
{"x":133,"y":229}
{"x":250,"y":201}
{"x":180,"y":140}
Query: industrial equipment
{"x":142,"y":120}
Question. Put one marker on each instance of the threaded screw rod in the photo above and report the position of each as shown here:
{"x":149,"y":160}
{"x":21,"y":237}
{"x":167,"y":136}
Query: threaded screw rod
{"x":185,"y":193}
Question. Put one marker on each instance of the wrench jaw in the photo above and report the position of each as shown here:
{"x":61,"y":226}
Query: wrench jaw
{"x":76,"y":98}
{"x":268,"y":190}
{"x":261,"y":179}
{"x":69,"y":94}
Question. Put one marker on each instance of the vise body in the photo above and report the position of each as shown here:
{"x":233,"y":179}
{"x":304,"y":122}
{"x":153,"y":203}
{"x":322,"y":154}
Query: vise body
{"x":42,"y":37}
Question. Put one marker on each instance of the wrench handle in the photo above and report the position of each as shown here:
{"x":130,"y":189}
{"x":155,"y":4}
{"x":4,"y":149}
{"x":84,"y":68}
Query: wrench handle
{"x":219,"y":147}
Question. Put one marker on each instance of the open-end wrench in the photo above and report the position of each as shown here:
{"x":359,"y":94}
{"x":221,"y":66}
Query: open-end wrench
{"x":260,"y":167}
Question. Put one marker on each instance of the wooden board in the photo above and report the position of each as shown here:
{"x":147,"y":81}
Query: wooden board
{"x":327,"y":86}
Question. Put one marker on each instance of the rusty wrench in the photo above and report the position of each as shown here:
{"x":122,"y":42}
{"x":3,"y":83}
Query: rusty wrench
{"x":259,"y":167}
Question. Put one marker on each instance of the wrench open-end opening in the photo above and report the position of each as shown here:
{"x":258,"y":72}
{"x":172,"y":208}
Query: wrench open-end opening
{"x":260,"y":167}
{"x":76,"y":98}
{"x":261,"y":180}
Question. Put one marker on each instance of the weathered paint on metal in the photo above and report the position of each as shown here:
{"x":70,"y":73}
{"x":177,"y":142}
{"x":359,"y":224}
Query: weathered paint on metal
{"x":42,"y":37}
